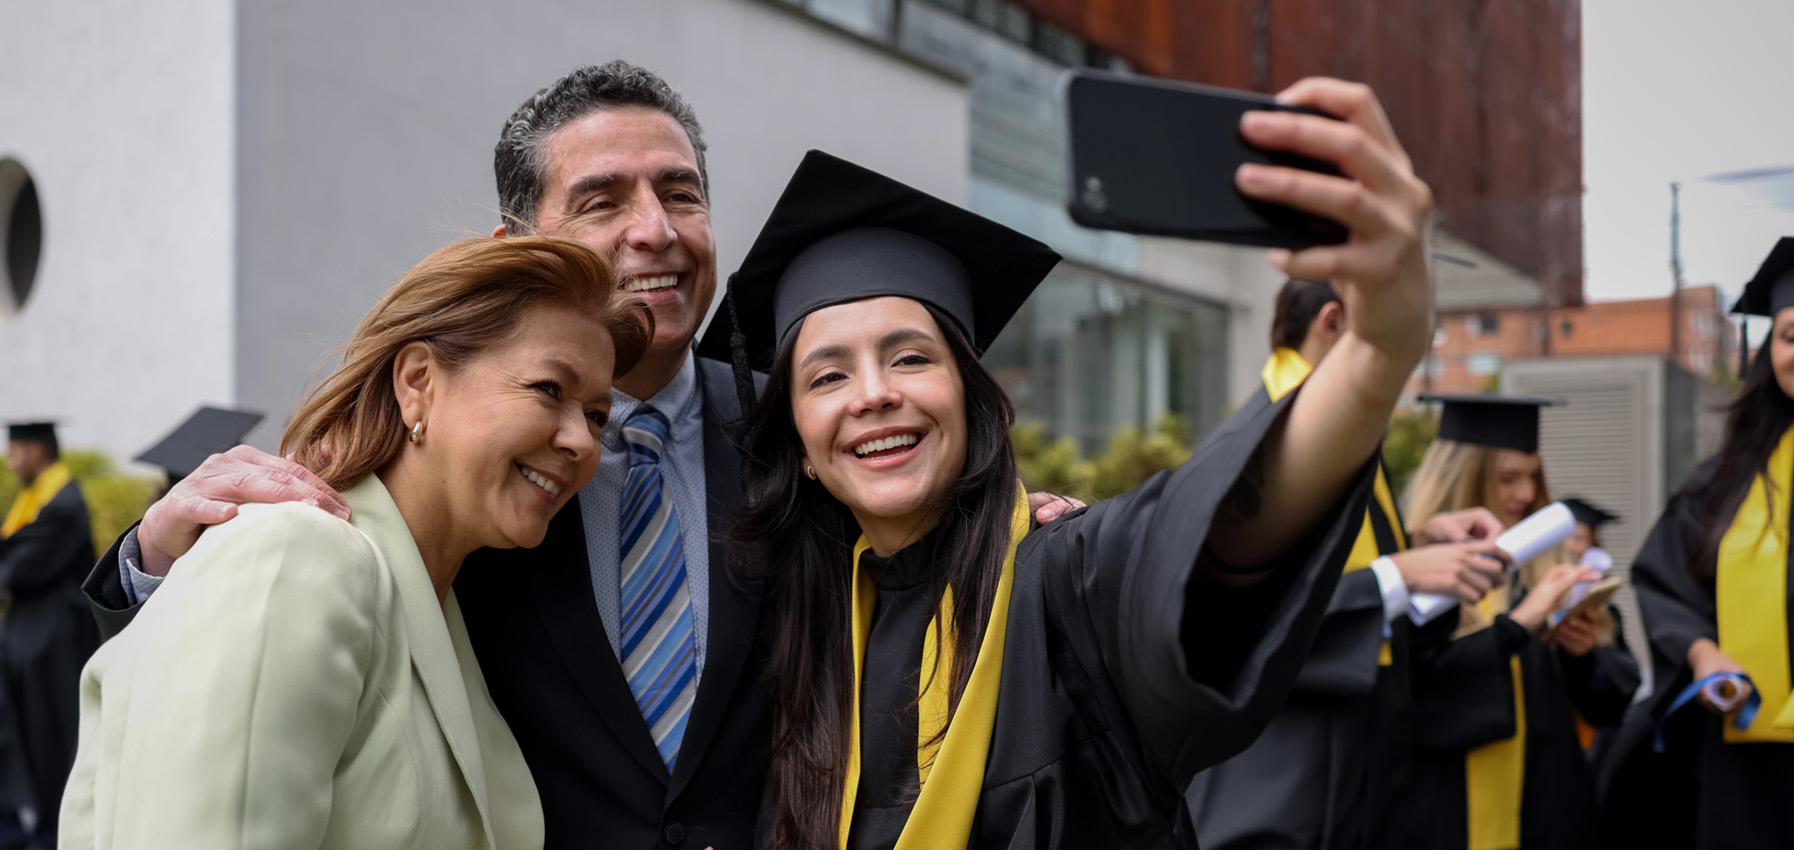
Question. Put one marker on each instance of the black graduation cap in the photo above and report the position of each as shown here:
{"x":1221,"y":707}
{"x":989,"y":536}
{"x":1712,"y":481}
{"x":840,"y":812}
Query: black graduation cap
{"x":1588,"y":514}
{"x":208,"y":431}
{"x":1501,"y":421}
{"x":37,"y":432}
{"x":841,"y":233}
{"x":1773,"y":287}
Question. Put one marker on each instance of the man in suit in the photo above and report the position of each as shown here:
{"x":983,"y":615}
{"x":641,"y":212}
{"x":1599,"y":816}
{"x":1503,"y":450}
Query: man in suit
{"x":612,"y":156}
{"x":45,"y":635}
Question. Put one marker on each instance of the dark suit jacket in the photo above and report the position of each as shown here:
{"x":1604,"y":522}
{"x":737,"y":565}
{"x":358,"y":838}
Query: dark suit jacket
{"x":534,"y":625}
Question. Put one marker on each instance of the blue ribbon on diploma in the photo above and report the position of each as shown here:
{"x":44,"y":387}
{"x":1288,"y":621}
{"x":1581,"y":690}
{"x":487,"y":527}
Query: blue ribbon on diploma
{"x":1716,"y":682}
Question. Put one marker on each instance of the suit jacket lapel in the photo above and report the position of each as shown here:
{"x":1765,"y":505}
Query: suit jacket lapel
{"x":563,"y":585}
{"x":733,"y":610}
{"x":432,"y":648}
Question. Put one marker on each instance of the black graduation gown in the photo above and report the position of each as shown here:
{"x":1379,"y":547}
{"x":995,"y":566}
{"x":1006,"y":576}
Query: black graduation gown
{"x":1702,"y":792}
{"x":1123,"y":673}
{"x":1464,"y":699}
{"x":45,"y":638}
{"x":1325,"y":771}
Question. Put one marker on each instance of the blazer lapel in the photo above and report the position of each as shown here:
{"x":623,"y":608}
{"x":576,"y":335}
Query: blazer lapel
{"x":432,"y":648}
{"x":563,"y":585}
{"x":733,"y":609}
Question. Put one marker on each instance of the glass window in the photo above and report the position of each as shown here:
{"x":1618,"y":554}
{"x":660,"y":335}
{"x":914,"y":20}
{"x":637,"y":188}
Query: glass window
{"x":1003,"y":18}
{"x":1090,"y":354}
{"x":1483,"y":364}
{"x":1483,"y":324}
{"x":870,"y":18}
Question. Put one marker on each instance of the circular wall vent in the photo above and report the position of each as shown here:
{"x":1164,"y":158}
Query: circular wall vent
{"x":21,"y":234}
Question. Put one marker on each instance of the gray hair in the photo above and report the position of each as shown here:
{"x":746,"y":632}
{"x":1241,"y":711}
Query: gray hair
{"x":517,"y":161}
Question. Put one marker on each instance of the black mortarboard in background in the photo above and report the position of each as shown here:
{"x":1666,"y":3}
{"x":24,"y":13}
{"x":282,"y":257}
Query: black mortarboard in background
{"x":208,"y":431}
{"x":1588,"y":514}
{"x":36,"y":432}
{"x":1768,"y":292}
{"x":1500,"y":421}
{"x":841,"y":232}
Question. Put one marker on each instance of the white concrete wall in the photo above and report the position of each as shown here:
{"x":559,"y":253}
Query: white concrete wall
{"x":367,"y":132}
{"x":121,"y":111}
{"x":1235,"y":276}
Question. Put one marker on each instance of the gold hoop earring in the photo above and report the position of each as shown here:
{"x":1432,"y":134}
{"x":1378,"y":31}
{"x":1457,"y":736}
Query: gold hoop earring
{"x":810,"y":471}
{"x":417,"y":432}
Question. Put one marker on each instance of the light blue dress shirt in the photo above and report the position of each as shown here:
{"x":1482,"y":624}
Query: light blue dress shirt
{"x":682,"y":467}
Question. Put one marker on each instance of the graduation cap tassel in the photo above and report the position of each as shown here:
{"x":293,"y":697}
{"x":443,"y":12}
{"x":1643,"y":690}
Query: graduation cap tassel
{"x":1743,"y":345}
{"x":738,"y":356}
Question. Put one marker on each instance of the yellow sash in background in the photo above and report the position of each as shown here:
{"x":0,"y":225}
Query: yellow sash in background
{"x":1495,"y":774}
{"x":1285,"y":371}
{"x":32,"y":500}
{"x":1752,"y":596}
{"x":953,"y":777}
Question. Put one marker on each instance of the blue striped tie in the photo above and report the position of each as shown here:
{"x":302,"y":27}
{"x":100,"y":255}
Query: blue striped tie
{"x":659,"y":650}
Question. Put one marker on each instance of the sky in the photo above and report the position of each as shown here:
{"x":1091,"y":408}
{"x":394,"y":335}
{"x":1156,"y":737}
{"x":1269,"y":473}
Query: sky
{"x":1681,"y":91}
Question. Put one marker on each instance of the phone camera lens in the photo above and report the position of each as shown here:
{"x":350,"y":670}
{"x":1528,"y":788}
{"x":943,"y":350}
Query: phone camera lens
{"x":1092,"y":197}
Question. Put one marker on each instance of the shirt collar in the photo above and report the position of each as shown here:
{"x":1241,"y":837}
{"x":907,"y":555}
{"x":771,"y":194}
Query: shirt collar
{"x":678,"y":401}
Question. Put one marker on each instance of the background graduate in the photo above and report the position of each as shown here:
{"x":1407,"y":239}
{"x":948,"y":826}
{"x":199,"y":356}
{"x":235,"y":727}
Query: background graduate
{"x":46,"y":634}
{"x":955,"y":679}
{"x":1497,"y":759}
{"x":1713,"y":585}
{"x":1325,"y":770}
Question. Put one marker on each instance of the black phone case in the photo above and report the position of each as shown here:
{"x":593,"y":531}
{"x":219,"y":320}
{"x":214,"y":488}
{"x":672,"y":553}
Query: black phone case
{"x":1157,"y":157}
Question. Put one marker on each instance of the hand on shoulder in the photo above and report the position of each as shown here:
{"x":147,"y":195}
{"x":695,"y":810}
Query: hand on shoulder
{"x":213,"y":494}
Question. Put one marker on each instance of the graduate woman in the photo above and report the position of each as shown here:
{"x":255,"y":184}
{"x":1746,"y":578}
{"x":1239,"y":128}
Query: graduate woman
{"x":1713,"y":585}
{"x":943,"y":675}
{"x":1498,"y":762}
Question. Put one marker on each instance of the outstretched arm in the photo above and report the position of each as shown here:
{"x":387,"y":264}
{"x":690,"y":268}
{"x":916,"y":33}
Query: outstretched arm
{"x":1338,"y":419}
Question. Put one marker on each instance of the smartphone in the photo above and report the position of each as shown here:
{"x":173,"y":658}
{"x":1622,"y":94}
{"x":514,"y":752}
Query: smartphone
{"x":1158,"y":157}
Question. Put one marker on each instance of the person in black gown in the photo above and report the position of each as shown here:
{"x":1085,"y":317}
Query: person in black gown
{"x":1714,"y":589}
{"x":1327,"y":768}
{"x":956,"y":678}
{"x":1498,"y":763}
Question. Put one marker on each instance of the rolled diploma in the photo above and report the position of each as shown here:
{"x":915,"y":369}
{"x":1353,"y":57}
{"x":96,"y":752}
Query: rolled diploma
{"x":1528,"y":539}
{"x":1723,"y":693}
{"x":1595,"y":559}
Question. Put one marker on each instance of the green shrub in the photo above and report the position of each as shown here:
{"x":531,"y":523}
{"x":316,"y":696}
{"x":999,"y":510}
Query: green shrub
{"x":1411,"y":430}
{"x":1131,"y":458}
{"x":114,"y":499}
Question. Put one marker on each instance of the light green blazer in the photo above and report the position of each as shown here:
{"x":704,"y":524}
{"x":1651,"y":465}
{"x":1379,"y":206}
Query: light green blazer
{"x":294,"y":683}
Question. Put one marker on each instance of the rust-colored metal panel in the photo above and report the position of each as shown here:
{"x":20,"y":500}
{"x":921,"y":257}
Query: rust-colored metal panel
{"x":1485,"y":95}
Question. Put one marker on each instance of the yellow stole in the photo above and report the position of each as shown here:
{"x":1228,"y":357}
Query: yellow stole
{"x":943,"y":813}
{"x":1495,"y":774}
{"x":32,"y":500}
{"x":1285,"y":371}
{"x":1752,"y":596}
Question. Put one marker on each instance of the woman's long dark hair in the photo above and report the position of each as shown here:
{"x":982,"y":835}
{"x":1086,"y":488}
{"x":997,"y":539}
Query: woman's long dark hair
{"x":1756,"y":422}
{"x":804,"y":539}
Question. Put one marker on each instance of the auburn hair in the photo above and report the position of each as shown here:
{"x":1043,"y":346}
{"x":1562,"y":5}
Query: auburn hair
{"x":460,"y":301}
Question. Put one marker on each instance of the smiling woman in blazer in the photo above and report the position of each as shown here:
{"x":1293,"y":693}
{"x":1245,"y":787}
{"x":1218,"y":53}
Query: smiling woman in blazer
{"x":306,"y":681}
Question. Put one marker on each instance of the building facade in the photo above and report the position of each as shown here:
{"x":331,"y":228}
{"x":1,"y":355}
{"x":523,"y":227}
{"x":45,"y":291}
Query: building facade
{"x":1470,"y":347}
{"x":224,"y":187}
